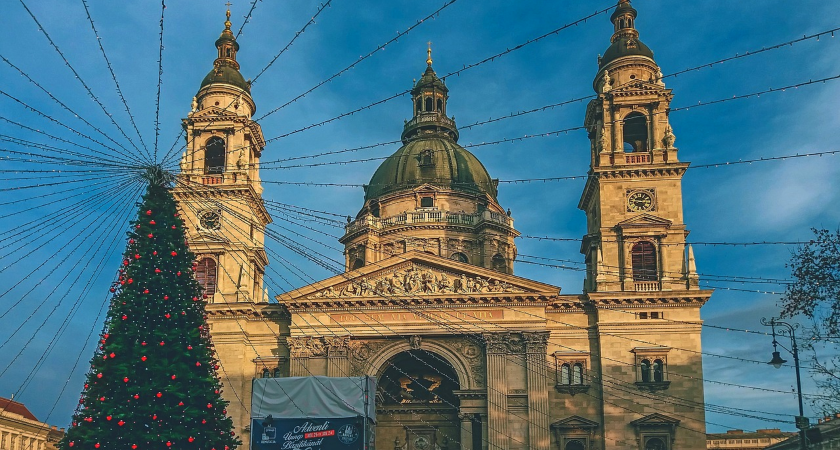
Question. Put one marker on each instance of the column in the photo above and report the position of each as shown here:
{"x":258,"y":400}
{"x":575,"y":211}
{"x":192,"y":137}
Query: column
{"x":466,"y":431}
{"x":537,"y":368}
{"x":484,"y":432}
{"x":497,"y":434}
{"x":337,"y":349}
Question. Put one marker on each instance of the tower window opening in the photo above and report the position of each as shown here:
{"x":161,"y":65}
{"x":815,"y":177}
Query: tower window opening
{"x":426,"y":158}
{"x":574,"y":444}
{"x":460,"y":257}
{"x":643,"y":260}
{"x":427,"y":202}
{"x":500,"y":263}
{"x":227,"y":52}
{"x":419,"y":105}
{"x":658,"y":371}
{"x":358,"y":263}
{"x":205,"y":274}
{"x":636,"y":132}
{"x":266,"y":373}
{"x":429,"y":104}
{"x":645,"y":368}
{"x":214,"y":156}
{"x":440,"y":105}
{"x":655,"y":444}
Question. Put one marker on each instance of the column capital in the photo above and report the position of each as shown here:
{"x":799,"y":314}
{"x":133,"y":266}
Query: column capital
{"x":536,"y":342}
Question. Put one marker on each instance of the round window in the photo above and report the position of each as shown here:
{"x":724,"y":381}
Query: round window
{"x":210,"y":220}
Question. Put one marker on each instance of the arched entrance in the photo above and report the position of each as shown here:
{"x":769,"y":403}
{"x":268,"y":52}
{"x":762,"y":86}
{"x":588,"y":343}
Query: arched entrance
{"x":417,"y":408}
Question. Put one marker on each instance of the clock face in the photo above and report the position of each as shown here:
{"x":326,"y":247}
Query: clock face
{"x":639,"y":201}
{"x":210,"y":220}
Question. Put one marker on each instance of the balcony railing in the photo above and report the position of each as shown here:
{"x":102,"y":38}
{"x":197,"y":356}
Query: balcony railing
{"x":647,"y":286}
{"x":412,"y":217}
{"x":637,"y":158}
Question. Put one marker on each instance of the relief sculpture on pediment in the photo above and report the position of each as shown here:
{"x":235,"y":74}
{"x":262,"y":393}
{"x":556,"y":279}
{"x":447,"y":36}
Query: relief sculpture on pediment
{"x":416,"y":280}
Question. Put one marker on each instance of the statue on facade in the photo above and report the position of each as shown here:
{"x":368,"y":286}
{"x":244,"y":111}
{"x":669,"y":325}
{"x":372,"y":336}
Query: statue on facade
{"x":669,"y":138}
{"x":194,"y":104}
{"x":607,"y":82}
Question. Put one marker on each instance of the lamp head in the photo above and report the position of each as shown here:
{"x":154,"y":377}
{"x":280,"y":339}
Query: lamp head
{"x":777,"y":360}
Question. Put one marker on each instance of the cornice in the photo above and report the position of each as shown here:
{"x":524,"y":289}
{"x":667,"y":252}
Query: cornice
{"x":666,"y":299}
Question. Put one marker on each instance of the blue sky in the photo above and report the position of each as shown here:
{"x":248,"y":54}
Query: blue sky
{"x":773,"y":201}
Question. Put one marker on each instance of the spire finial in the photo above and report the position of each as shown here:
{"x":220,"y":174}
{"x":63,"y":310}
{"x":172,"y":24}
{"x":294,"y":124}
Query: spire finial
{"x":429,"y":53}
{"x":227,"y":14}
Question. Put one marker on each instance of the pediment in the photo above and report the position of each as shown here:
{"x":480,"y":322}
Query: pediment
{"x":574,"y":422}
{"x":427,"y":188}
{"x":205,"y":237}
{"x":214,"y":112}
{"x":644,"y":220}
{"x":418,"y":275}
{"x":638,"y":86}
{"x":655,"y":420}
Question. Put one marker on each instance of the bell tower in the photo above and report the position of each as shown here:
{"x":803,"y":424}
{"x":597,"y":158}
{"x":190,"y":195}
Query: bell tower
{"x":635,"y":237}
{"x":218,"y":189}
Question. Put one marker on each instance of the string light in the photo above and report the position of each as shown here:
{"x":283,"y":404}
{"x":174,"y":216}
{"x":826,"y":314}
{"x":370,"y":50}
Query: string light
{"x":159,"y":80}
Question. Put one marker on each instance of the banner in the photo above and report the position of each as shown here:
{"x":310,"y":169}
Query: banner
{"x":309,"y":434}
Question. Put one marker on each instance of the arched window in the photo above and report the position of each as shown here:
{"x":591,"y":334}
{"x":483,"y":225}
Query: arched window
{"x":228,"y":52}
{"x":565,"y":376}
{"x":214,"y":156}
{"x":500,"y":263}
{"x":426,"y":158}
{"x":643,"y":259}
{"x":440,"y":105}
{"x":577,"y":373}
{"x":658,"y":370}
{"x":645,"y":368}
{"x":460,"y":257}
{"x":429,"y":104}
{"x":419,"y":104}
{"x":574,"y":444}
{"x":636,"y":131}
{"x":266,"y":373}
{"x":655,"y":443}
{"x":358,"y":263}
{"x":277,"y":372}
{"x":205,"y":274}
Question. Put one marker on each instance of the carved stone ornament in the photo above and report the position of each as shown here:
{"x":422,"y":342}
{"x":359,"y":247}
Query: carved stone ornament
{"x":536,"y":342}
{"x":305,"y":346}
{"x":474,"y":356}
{"x":337,"y":345}
{"x":607,"y":82}
{"x":360,"y":354}
{"x":414,"y":342}
{"x":416,"y":280}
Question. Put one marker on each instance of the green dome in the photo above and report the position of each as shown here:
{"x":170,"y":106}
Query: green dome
{"x":625,"y":46}
{"x":447,"y":165}
{"x":226,"y":75}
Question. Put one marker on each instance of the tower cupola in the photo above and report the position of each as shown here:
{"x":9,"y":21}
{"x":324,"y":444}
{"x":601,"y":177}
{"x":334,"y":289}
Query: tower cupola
{"x":429,"y":97}
{"x":225,"y":67}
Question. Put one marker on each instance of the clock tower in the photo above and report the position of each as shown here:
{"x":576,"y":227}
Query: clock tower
{"x":635,"y":239}
{"x":218,"y":189}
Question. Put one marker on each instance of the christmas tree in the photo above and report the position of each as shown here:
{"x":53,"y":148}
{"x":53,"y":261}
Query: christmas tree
{"x":152,"y":382}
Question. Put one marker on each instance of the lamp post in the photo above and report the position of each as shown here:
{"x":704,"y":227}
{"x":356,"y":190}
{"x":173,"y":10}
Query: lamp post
{"x":777,"y":361}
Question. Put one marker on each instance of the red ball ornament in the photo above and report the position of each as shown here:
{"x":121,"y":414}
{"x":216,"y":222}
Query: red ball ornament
{"x":154,"y":252}
{"x":173,"y":227}
{"x":137,"y":226}
{"x":216,"y":391}
{"x":133,"y":446}
{"x":136,"y":256}
{"x":71,"y":443}
{"x":143,"y":344}
{"x":178,"y":273}
{"x":101,"y":399}
{"x":151,"y":235}
{"x":120,"y":423}
{"x":124,"y":317}
{"x":157,"y":270}
{"x":195,"y":299}
{"x":125,"y":380}
{"x":205,"y":295}
{"x":216,"y":366}
{"x":130,"y":280}
{"x":180,"y":403}
{"x":209,"y":406}
{"x":88,"y":419}
{"x":159,"y":395}
{"x":167,"y":315}
{"x":136,"y":396}
{"x":154,"y":417}
{"x":112,"y":354}
{"x":98,"y":375}
{"x":191,"y":439}
{"x":197,"y":364}
{"x":87,"y":385}
{"x":96,"y":445}
{"x":161,"y":343}
{"x":113,"y":290}
{"x":166,"y":297}
{"x":174,"y":253}
{"x":224,"y":411}
{"x":143,"y":358}
{"x":168,"y":444}
{"x":108,"y":417}
{"x":189,"y":347}
{"x":145,"y":291}
{"x":122,"y":283}
{"x":151,"y":222}
{"x":232,"y":433}
{"x":149,"y":212}
{"x":173,"y":377}
{"x":125,"y":263}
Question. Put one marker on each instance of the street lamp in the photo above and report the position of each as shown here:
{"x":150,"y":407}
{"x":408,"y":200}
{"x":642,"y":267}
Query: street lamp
{"x":777,"y":361}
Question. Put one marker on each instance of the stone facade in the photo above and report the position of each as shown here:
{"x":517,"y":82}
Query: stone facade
{"x":466,"y":354}
{"x":21,"y":430}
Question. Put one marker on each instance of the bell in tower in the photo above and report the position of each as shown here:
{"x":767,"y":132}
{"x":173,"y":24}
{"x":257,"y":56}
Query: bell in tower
{"x":633,"y":197}
{"x":218,"y":189}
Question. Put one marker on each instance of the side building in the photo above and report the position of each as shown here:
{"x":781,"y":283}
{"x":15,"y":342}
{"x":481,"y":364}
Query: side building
{"x":467,"y":354}
{"x":21,"y":430}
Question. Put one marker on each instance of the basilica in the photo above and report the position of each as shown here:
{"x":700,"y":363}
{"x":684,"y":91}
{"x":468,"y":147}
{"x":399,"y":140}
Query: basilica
{"x":465,"y":353}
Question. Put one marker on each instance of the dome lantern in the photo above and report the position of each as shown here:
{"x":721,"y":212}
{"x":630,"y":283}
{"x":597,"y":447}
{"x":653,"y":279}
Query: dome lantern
{"x":225,"y":67}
